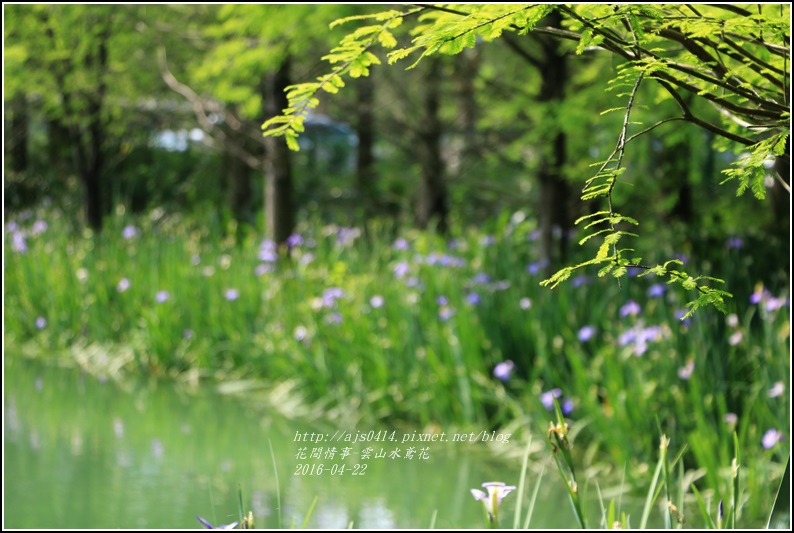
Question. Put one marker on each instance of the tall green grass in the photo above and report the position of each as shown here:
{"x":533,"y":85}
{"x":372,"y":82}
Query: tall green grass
{"x":407,"y":327}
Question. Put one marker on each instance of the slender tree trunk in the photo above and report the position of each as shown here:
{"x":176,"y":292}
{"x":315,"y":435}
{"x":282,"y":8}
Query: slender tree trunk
{"x":239,"y":187}
{"x":239,"y":172}
{"x":279,"y":211}
{"x":432,"y":203}
{"x":677,"y":158}
{"x":467,"y":65}
{"x":365,"y":157}
{"x":555,"y":192}
{"x":91,"y":154}
{"x":17,"y":146}
{"x":59,"y":156}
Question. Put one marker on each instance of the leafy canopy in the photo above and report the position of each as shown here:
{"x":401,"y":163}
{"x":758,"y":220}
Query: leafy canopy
{"x":725,"y":56}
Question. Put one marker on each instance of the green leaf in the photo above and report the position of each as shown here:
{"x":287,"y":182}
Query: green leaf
{"x":292,"y":141}
{"x":780,"y":518}
{"x":386,"y":39}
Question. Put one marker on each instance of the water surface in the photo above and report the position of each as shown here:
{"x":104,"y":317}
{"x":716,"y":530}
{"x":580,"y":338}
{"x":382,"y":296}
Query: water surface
{"x":81,"y":453}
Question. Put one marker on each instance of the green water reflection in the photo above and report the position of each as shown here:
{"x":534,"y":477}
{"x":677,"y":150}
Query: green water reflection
{"x":80,"y":453}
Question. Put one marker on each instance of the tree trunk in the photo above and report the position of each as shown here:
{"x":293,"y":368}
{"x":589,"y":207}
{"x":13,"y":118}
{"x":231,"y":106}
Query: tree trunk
{"x":17,"y":146}
{"x":279,"y":212}
{"x":555,"y":192}
{"x":91,"y":154}
{"x":365,"y":157}
{"x":59,"y":148}
{"x":678,"y":157}
{"x":467,"y":66}
{"x":432,"y":201}
{"x":236,"y":144}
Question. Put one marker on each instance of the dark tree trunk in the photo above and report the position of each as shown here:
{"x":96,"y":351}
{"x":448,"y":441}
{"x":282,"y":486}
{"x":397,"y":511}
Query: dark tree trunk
{"x":279,"y":212}
{"x":59,"y":149}
{"x":432,"y":200}
{"x":467,"y":65}
{"x":239,"y":188}
{"x":677,"y":158}
{"x":91,"y":155}
{"x":242,"y":155}
{"x":555,"y":192}
{"x":84,"y":124}
{"x":365,"y":157}
{"x":17,"y":145}
{"x":93,"y":208}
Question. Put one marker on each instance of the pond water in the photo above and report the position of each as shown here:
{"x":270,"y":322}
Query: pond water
{"x":80,"y":453}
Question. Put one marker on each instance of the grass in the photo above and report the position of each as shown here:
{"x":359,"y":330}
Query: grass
{"x":407,"y":328}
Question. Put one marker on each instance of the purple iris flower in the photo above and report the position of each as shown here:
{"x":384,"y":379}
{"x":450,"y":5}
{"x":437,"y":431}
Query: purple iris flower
{"x":773,"y":304}
{"x":734,"y":243}
{"x":472,"y":298}
{"x":680,"y":314}
{"x":345,"y":236}
{"x":567,"y":406}
{"x":579,"y":281}
{"x":656,"y":290}
{"x":630,"y":308}
{"x":18,"y":243}
{"x":400,"y":244}
{"x":232,"y":294}
{"x":534,"y":268}
{"x":451,"y":261}
{"x":503,"y":370}
{"x":334,"y":318}
{"x":401,"y":269}
{"x":770,"y":438}
{"x":294,"y":240}
{"x":759,"y":294}
{"x":547,"y":398}
{"x":130,"y":232}
{"x":586,"y":333}
{"x":268,"y":255}
{"x":331,"y":295}
{"x":38,"y":227}
{"x":210,"y":526}
{"x":481,"y":279}
{"x":162,"y":296}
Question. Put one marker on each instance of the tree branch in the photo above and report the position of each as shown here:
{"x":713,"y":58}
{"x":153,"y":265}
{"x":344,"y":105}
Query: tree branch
{"x":732,"y":8}
{"x":202,"y":109}
{"x":515,"y":47}
{"x":689,"y":117}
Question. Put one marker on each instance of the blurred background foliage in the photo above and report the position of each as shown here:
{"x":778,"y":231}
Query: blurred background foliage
{"x":160,"y":107}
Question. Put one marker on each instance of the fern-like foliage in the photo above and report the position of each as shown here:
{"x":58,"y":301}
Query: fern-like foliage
{"x":730,"y":56}
{"x":351,"y":58}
